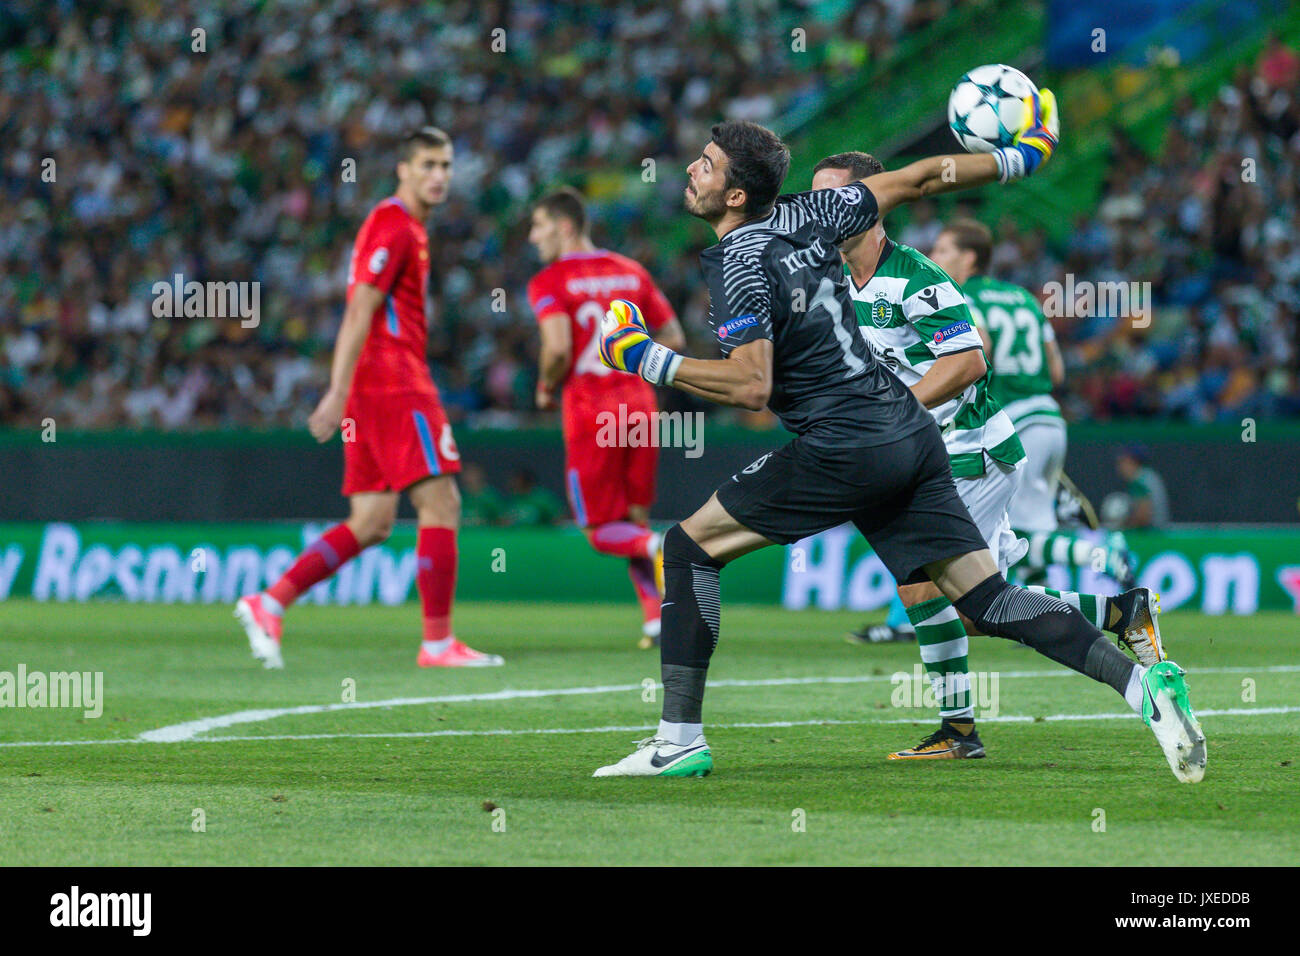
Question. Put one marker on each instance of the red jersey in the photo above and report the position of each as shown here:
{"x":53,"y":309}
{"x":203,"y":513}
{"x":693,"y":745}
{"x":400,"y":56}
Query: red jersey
{"x":580,"y":285}
{"x":392,"y":254}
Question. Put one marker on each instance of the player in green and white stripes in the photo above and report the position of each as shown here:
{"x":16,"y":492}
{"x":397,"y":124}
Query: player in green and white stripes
{"x":1027,"y":365}
{"x":919,"y":324}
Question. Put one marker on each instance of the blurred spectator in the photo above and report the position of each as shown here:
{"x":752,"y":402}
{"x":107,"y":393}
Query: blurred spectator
{"x":923,"y":227}
{"x":1279,"y":66}
{"x":1211,"y":224}
{"x":530,"y":504}
{"x":133,"y":154}
{"x":1148,"y":503}
{"x":480,"y":503}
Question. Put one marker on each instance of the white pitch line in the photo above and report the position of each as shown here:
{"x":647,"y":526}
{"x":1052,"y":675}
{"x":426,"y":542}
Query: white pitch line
{"x":72,"y":743}
{"x":643,"y":728}
{"x":189,"y":730}
{"x":1049,"y":718}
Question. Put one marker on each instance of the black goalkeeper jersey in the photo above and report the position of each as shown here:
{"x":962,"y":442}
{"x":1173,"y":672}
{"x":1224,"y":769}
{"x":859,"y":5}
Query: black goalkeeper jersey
{"x":781,"y":278}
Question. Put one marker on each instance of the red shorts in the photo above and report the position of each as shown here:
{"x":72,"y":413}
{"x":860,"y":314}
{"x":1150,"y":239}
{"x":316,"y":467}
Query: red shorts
{"x":391,"y":440}
{"x":603,"y":478}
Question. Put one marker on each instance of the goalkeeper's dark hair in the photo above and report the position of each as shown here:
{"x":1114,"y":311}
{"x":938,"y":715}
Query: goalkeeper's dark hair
{"x":972,"y":236}
{"x":565,"y":203}
{"x":757,"y":162}
{"x":426,"y":137}
{"x":858,"y":164}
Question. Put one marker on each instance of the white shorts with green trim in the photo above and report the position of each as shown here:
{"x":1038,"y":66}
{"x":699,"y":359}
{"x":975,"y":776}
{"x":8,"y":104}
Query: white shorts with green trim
{"x":987,"y":498}
{"x":1034,"y":506}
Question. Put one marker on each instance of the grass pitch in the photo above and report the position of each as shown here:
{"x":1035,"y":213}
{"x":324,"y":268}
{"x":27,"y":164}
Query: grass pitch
{"x":799,"y":727}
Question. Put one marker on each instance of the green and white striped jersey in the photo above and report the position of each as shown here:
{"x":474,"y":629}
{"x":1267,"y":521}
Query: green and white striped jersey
{"x":1021,"y":381}
{"x":911,"y":313}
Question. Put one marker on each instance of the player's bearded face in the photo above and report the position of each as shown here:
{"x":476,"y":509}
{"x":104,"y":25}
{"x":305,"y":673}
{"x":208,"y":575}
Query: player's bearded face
{"x":706,"y":189}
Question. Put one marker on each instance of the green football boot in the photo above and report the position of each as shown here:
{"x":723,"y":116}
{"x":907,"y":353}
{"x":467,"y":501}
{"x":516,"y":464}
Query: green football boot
{"x":1167,"y":711}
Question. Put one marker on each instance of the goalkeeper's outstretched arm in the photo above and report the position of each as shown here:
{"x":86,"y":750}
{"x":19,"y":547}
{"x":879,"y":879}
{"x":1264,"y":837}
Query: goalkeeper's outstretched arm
{"x":929,"y":177}
{"x":1032,"y":147}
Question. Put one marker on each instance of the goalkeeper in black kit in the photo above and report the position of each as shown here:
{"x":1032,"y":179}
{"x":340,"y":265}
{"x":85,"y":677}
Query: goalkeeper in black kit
{"x":865,"y":450}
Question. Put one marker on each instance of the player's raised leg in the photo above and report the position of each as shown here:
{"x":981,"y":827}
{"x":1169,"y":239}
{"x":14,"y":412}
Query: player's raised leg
{"x":647,"y":575}
{"x":942,"y":636}
{"x":1059,"y":632}
{"x":598,"y":495}
{"x":610,"y":497}
{"x":934,"y":522}
{"x":1132,"y":617}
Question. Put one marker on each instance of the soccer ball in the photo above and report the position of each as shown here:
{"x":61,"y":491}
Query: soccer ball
{"x":988,"y":107}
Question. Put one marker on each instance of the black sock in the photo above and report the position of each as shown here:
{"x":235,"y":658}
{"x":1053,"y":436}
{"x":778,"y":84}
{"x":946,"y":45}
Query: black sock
{"x":683,"y":693}
{"x":688,"y":625}
{"x":1049,"y":626}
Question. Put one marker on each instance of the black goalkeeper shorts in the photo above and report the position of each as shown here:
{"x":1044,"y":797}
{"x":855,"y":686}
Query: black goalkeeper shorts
{"x":900,"y":496}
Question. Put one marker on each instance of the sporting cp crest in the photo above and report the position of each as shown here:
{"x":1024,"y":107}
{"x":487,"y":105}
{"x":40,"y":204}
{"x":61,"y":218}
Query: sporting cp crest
{"x":882,"y":312}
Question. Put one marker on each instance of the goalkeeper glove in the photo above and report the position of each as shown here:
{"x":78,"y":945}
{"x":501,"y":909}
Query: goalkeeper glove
{"x":1034,"y":144}
{"x":626,"y":345}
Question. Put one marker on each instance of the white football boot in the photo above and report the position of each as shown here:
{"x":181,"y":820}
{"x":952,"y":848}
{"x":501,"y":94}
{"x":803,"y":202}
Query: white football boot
{"x":656,"y":757}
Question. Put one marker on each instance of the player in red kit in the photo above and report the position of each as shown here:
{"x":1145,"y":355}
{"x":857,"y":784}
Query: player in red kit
{"x":610,"y":484}
{"x":396,"y":437}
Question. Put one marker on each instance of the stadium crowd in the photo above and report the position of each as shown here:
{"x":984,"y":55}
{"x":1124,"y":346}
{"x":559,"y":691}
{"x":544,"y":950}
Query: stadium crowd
{"x":1213,"y":224}
{"x":224,"y":155}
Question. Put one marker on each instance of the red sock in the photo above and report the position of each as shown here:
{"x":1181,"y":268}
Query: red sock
{"x":623,"y":539}
{"x":642,"y":573}
{"x":435,"y":577}
{"x":318,"y":561}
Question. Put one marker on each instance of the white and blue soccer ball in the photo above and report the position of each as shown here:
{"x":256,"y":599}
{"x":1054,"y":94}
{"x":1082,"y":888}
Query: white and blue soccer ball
{"x":987,"y":107}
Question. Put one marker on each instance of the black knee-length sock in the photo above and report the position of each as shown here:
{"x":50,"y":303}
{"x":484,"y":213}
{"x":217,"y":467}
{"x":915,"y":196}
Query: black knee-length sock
{"x":688,"y":625}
